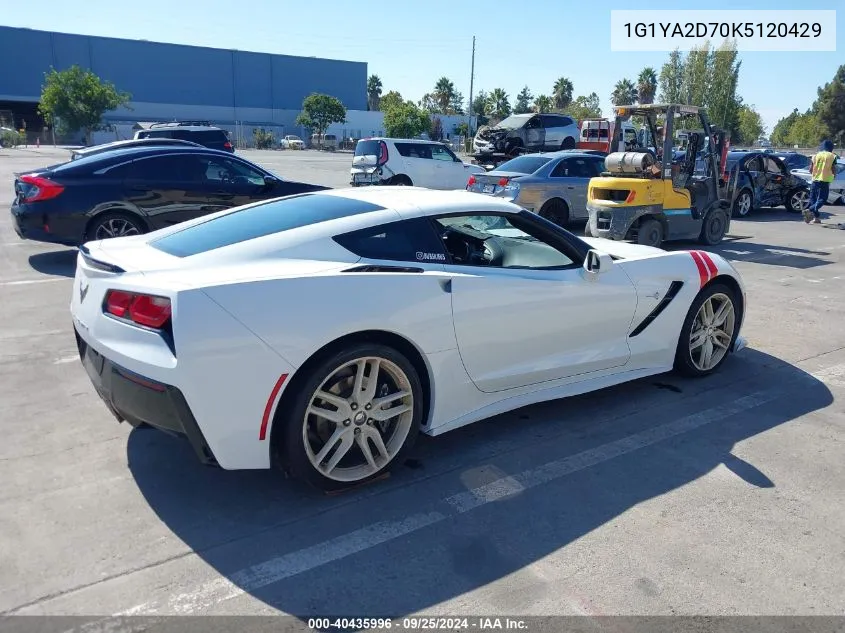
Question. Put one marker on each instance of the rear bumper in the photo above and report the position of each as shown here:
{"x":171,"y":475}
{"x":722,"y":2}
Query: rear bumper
{"x":138,"y":400}
{"x":30,"y":226}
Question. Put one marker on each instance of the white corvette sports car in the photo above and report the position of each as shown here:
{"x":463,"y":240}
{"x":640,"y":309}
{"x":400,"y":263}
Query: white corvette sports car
{"x":322,"y":332}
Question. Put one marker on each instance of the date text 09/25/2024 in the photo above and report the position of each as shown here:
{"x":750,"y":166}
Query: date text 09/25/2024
{"x":419,"y":624}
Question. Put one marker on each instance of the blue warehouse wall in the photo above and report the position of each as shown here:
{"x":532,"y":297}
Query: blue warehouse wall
{"x":177,"y":75}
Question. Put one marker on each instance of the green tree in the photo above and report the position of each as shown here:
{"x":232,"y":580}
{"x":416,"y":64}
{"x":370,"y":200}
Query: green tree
{"x":429,"y":103}
{"x":646,"y":85}
{"x":406,"y":120}
{"x":562,"y":93}
{"x":78,"y":99}
{"x":830,"y":105}
{"x":750,"y":125}
{"x":499,"y":105}
{"x":672,"y":78}
{"x":480,"y":106}
{"x":585,"y":107}
{"x":808,"y":130}
{"x":523,"y":101}
{"x":456,"y":104}
{"x":444,"y":91}
{"x":720,"y":98}
{"x":543,"y":103}
{"x":391,"y":99}
{"x":374,"y":87}
{"x":697,"y":72}
{"x":319,"y":111}
{"x":624,"y":93}
{"x":780,"y":133}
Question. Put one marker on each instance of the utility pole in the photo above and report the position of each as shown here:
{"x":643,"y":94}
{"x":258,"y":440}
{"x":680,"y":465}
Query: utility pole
{"x":471,"y":79}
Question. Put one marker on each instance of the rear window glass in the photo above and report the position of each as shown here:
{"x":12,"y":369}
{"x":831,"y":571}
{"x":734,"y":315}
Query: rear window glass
{"x":524,"y":164}
{"x":367,"y":148}
{"x":258,"y":221}
{"x":201,"y":136}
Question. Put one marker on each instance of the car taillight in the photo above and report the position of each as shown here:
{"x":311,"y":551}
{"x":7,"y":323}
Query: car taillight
{"x":383,"y":156}
{"x":471,"y":181}
{"x":147,"y":310}
{"x":227,"y":145}
{"x":39,"y":188}
{"x":503,"y":182}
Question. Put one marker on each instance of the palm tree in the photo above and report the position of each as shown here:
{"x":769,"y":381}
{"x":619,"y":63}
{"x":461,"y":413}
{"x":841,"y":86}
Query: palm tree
{"x":543,"y":103}
{"x":647,"y":85}
{"x":444,"y":91}
{"x":374,"y":87}
{"x":499,"y":105}
{"x":562,"y":93}
{"x":624,"y":93}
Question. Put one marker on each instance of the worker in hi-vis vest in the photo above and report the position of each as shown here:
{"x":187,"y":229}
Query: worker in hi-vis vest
{"x":821,"y":167}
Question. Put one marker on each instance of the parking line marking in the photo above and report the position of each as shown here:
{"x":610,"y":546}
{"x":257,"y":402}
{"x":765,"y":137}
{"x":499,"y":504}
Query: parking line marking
{"x":269,"y":572}
{"x":24,"y":282}
{"x":66,"y":359}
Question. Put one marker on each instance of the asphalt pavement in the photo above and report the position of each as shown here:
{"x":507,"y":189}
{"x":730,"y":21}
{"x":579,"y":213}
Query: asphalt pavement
{"x":721,"y":496}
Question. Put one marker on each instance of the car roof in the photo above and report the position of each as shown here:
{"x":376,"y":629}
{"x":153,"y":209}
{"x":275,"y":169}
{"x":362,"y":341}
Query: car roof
{"x":192,"y":128}
{"x":400,"y":140}
{"x":140,"y":152}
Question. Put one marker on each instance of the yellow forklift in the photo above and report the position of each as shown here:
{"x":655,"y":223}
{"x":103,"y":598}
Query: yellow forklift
{"x":647,"y":195}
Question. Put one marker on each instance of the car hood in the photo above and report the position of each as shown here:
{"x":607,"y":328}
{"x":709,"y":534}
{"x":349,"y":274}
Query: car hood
{"x":623,"y":250}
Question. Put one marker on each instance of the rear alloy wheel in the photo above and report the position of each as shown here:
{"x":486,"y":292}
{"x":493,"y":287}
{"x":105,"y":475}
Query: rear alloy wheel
{"x":798,"y":201}
{"x":556,"y":211}
{"x":715,"y":227}
{"x":742,"y":204}
{"x":708,"y":332}
{"x":650,"y":233}
{"x":401,"y":181}
{"x":357,"y":413}
{"x":115,"y":225}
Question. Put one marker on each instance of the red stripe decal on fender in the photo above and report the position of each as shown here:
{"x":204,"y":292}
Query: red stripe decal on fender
{"x":268,"y":409}
{"x":710,"y":265}
{"x":703,"y":273}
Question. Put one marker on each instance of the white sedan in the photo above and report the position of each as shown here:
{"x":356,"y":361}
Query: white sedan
{"x":292,"y":142}
{"x":322,"y":332}
{"x":837,"y":187}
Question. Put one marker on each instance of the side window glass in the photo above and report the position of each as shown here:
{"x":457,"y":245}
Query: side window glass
{"x":497,"y":241}
{"x":404,"y":149}
{"x":404,"y":241}
{"x":227,"y":170}
{"x":561,"y":170}
{"x":439,"y":152}
{"x":158,"y":168}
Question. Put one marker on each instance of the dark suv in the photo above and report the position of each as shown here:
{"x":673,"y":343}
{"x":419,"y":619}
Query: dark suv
{"x":199,"y":132}
{"x":137,"y":190}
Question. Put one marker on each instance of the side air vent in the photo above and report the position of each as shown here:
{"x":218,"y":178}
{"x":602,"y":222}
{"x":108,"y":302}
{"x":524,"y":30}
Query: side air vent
{"x":373,"y":268}
{"x":674,"y":289}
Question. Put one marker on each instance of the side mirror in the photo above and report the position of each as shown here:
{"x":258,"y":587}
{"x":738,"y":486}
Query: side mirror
{"x":270,"y":180}
{"x":597,"y":262}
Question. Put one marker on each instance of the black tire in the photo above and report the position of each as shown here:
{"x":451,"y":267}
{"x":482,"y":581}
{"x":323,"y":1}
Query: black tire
{"x":743,"y":204}
{"x":714,"y":228}
{"x":792,"y":204}
{"x":557,"y":211}
{"x":513,"y":148}
{"x":568,"y":143}
{"x":125,"y":224}
{"x":650,"y":233}
{"x":401,"y":181}
{"x":292,"y":449}
{"x":683,"y":355}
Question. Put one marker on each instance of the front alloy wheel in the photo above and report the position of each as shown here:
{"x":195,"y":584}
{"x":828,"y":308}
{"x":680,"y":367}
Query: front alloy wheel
{"x":708,"y":332}
{"x":712,"y":332}
{"x":799,"y":201}
{"x":356,"y":414}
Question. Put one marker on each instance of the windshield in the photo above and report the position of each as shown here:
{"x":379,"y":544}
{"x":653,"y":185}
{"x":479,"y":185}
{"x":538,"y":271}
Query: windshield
{"x":367,"y":148}
{"x":514,"y":122}
{"x":294,"y":138}
{"x":524,"y":164}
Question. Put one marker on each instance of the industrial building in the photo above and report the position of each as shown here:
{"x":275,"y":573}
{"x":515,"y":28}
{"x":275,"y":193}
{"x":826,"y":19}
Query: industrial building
{"x":236,"y":90}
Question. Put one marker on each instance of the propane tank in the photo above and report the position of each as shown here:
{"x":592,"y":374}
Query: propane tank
{"x":628,"y":162}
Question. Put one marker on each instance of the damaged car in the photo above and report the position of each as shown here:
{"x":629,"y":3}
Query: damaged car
{"x":764,"y":180}
{"x":521,"y":133}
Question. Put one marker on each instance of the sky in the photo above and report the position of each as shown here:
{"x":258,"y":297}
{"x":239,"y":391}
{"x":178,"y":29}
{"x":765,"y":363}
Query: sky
{"x":409,"y":44}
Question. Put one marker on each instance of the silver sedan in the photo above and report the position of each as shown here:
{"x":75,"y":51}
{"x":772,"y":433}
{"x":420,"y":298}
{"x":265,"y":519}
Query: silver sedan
{"x":554,"y":184}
